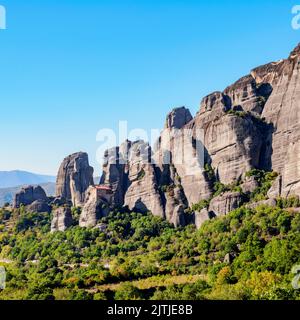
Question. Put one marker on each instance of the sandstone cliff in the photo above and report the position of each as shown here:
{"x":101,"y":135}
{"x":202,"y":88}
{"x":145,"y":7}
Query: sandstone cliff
{"x":252,"y":124}
{"x":74,"y":177}
{"x":62,"y":219}
{"x":282,"y":112}
{"x":28,"y":195}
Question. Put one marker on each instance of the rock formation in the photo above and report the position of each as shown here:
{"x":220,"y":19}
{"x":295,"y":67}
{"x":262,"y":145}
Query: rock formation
{"x":225,"y":203}
{"x":115,"y":172}
{"x":140,"y":185}
{"x":39,"y":206}
{"x":252,"y":124}
{"x":249,"y":185}
{"x":175,"y":206}
{"x":74,"y":177}
{"x":142,"y":193}
{"x":28,"y":195}
{"x":176,"y":150}
{"x":269,"y":203}
{"x":178,"y":117}
{"x":202,"y":216}
{"x":282,"y":112}
{"x":62,"y":219}
{"x":96,"y":206}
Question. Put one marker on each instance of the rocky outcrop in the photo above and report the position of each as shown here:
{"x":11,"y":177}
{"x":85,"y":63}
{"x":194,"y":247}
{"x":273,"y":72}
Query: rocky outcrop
{"x":178,"y":117}
{"x":115,"y":172}
{"x":95,"y":208}
{"x":143,"y":186}
{"x":74,"y":177}
{"x":225,"y":203}
{"x":60,"y":201}
{"x":276,"y":189}
{"x":268,"y":203}
{"x":247,"y":95}
{"x":175,"y":206}
{"x":282,"y":112}
{"x":234,"y":144}
{"x":28,"y":195}
{"x":62,"y":219}
{"x":252,"y":124}
{"x":249,"y":185}
{"x":143,"y":192}
{"x":39,"y":206}
{"x":203,"y":216}
{"x":183,"y":150}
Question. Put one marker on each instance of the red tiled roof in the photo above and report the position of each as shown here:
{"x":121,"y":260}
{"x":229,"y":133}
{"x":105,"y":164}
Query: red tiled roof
{"x":106,"y":188}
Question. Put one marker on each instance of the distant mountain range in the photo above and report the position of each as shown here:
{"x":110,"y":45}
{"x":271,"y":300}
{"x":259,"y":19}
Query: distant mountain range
{"x":9,"y":179}
{"x":7,"y":194}
{"x":12,"y":181}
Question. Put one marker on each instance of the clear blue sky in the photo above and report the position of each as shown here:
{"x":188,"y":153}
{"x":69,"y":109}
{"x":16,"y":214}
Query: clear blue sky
{"x":69,"y":68}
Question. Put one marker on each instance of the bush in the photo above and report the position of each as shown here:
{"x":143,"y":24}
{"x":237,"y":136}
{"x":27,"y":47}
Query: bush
{"x":195,"y":291}
{"x":265,"y":180}
{"x":128,"y":292}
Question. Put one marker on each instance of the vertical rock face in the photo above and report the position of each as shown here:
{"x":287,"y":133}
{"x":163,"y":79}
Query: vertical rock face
{"x":225,"y":203}
{"x":217,"y":102}
{"x":201,"y":217}
{"x":178,"y":118}
{"x":183,"y":150}
{"x":96,"y":206}
{"x":143,"y":193}
{"x":232,"y":138}
{"x":39,"y":206}
{"x":115,"y":172}
{"x":254,"y":123}
{"x":282,"y":111}
{"x":234,"y":145}
{"x":28,"y":195}
{"x":141,"y":185}
{"x":247,"y":95}
{"x":175,"y":206}
{"x":62,"y":219}
{"x":74,"y":177}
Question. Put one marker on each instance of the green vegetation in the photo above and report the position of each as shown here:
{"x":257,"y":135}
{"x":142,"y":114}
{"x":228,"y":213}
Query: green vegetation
{"x":265,"y":180}
{"x":143,"y":257}
{"x":168,"y":188}
{"x":199,"y":206}
{"x":241,"y":114}
{"x":220,"y":188}
{"x":290,"y":202}
{"x":141,"y":174}
{"x":255,"y":118}
{"x":210,"y":173}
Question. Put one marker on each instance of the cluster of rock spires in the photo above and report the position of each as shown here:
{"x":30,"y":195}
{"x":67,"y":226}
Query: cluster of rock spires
{"x":254,"y":123}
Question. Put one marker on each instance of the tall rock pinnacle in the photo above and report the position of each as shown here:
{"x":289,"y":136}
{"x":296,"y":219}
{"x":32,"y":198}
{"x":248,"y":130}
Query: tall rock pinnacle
{"x":178,"y":117}
{"x":74,"y":177}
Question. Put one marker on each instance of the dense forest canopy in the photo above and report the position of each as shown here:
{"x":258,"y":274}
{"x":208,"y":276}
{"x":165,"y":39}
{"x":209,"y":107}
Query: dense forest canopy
{"x":248,"y":254}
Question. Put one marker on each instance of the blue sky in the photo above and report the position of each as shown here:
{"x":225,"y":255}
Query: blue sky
{"x":69,"y":68}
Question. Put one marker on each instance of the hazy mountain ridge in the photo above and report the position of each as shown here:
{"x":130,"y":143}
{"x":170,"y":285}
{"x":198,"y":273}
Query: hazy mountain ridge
{"x":7,"y":194}
{"x":9,"y":179}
